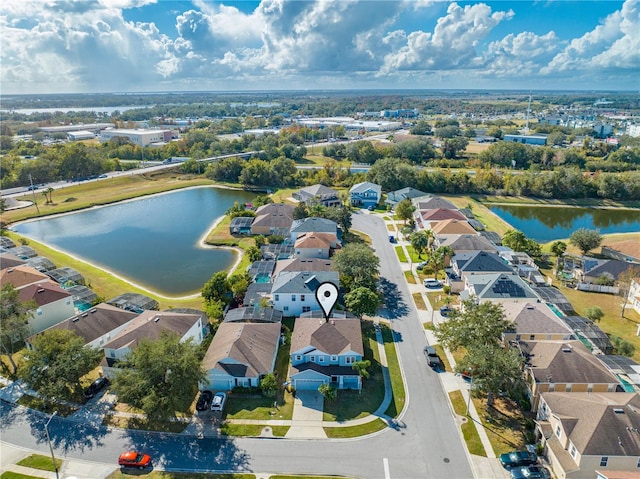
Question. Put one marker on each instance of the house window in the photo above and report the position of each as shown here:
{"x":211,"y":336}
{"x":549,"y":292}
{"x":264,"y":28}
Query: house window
{"x":68,"y":301}
{"x":568,"y":388}
{"x":302,"y":297}
{"x":112,"y":354}
{"x":334,"y":358}
{"x":532,"y":337}
{"x":518,"y":337}
{"x":638,"y":464}
{"x":334,"y":379}
{"x":603,"y":461}
{"x":39,"y":311}
{"x":298,"y":357}
{"x":306,"y":309}
{"x":589,"y":388}
{"x":312,"y":359}
{"x":552,"y":387}
{"x":276,"y":297}
{"x":293,"y":297}
{"x":558,"y":430}
{"x":286,"y":308}
{"x":349,"y":359}
{"x":573,"y":452}
{"x":321,"y":359}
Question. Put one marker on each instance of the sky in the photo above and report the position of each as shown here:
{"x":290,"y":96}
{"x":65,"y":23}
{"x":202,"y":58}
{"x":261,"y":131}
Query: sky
{"x":93,"y":46}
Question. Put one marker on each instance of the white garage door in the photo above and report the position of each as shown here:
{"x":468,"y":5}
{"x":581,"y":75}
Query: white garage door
{"x":308,"y":384}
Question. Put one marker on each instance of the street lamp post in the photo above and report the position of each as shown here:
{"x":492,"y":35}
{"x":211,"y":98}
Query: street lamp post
{"x":46,"y":430}
{"x":469,"y":398}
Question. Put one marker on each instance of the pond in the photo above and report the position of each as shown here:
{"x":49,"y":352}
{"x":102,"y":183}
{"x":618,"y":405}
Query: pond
{"x":549,"y":223}
{"x":153,"y":242}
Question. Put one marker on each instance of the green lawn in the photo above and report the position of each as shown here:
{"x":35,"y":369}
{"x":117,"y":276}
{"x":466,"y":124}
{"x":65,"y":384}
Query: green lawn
{"x":419,"y":300}
{"x":38,"y":461}
{"x":401,"y":256}
{"x":355,"y":431}
{"x":16,"y":475}
{"x":471,"y":437}
{"x":410,"y":277}
{"x":397,"y":385}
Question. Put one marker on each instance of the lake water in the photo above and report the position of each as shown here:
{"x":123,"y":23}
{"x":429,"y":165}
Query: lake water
{"x":545,"y":223}
{"x":152,"y":241}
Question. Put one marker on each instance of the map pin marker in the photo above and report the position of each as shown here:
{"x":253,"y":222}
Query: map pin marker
{"x":327,"y":297}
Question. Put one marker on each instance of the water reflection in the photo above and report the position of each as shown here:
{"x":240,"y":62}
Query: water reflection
{"x":545,"y":223}
{"x":153,"y":241}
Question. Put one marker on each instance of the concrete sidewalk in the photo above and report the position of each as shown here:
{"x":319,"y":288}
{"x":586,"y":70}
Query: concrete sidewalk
{"x":10,"y":455}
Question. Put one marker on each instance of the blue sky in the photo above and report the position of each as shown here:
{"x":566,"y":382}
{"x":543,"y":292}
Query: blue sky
{"x":67,"y":46}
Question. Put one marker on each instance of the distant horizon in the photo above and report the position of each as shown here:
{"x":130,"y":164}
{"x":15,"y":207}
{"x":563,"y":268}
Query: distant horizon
{"x":163,"y":46}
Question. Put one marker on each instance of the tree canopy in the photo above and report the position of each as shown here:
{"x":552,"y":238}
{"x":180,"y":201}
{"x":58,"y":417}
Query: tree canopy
{"x":361,"y":301}
{"x":585,"y":239}
{"x":57,"y":362}
{"x":358,"y":264}
{"x":160,"y":377}
{"x":14,"y":322}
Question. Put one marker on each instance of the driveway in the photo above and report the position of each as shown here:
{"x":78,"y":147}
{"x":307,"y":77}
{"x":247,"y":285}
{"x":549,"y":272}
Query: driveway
{"x":307,"y":416}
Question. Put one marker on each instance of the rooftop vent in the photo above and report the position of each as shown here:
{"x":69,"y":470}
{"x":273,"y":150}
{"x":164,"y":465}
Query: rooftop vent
{"x":85,"y":315}
{"x":94,"y":310}
{"x":156,"y":319}
{"x":40,"y":290}
{"x":618,"y":410}
{"x":75,"y":319}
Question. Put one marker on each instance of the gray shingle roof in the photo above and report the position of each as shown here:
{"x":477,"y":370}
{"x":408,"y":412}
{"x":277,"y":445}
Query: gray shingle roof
{"x":302,"y":281}
{"x":481,"y":261}
{"x":313,"y":224}
{"x":500,"y":286}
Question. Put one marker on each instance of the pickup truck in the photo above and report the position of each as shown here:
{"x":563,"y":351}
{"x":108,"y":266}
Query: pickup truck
{"x":433,"y":359}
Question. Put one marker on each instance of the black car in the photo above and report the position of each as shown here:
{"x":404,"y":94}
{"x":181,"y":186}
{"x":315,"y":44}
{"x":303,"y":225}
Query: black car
{"x":433,"y":359}
{"x":530,"y":472}
{"x":95,"y":387}
{"x":204,"y":401}
{"x":518,"y":458}
{"x":445,"y":311}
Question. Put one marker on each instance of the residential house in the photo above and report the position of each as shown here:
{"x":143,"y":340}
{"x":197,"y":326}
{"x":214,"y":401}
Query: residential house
{"x":97,"y":326}
{"x":304,"y":264}
{"x":149,"y":325}
{"x":21,"y":276}
{"x":452,"y":227}
{"x":257,"y":293}
{"x":323,"y":352}
{"x":318,"y":193}
{"x":395,"y":197}
{"x":473,"y":262}
{"x":314,"y":225}
{"x":365,"y":194}
{"x":628,"y":250}
{"x":624,"y":368}
{"x":134,"y":302}
{"x":315,"y":245}
{"x":262,"y":270}
{"x":294,"y":293}
{"x":427,"y":217}
{"x":611,"y":268}
{"x":53,"y":304}
{"x":633,"y":298}
{"x":533,"y":322}
{"x":588,"y":435}
{"x":8,"y":260}
{"x":497,"y":288}
{"x":241,"y":225}
{"x":240,"y":354}
{"x":276,"y":251}
{"x":66,"y":276}
{"x":273,"y":219}
{"x":24,"y":252}
{"x":254,"y":314}
{"x":564,"y":366}
{"x":523,"y":264}
{"x":6,"y":243}
{"x":41,"y":263}
{"x":465,"y":243}
{"x":429,"y":202}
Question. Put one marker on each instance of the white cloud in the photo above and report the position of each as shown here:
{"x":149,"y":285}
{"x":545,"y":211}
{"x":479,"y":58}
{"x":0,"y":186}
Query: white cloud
{"x":614,"y":43}
{"x":452,"y":43}
{"x":519,"y":55}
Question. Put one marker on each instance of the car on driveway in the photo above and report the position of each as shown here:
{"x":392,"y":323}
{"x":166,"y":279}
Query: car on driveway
{"x":95,"y":387}
{"x":530,"y":472}
{"x":204,"y":401}
{"x":134,"y":459}
{"x":422,"y":264}
{"x":446,"y":311}
{"x":432,"y":283}
{"x":433,"y":359}
{"x":217,"y":404}
{"x":518,"y":458}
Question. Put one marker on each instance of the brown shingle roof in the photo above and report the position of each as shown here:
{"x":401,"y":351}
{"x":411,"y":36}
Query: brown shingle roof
{"x":8,"y":260}
{"x":566,"y":362}
{"x":96,"y":322}
{"x":20,"y":276}
{"x":42,"y":293}
{"x":252,"y":345}
{"x":337,"y":336}
{"x":453,"y":227}
{"x":316,"y":240}
{"x":149,"y":325}
{"x":442,"y":214}
{"x":599,"y":424}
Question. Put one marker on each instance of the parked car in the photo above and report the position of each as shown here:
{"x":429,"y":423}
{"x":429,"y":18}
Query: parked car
{"x":421,"y":265}
{"x":95,"y":387}
{"x":204,"y":401}
{"x":530,"y":472}
{"x":445,"y":311}
{"x":217,"y":404}
{"x":392,"y":239}
{"x":518,"y":458}
{"x":432,"y":283}
{"x":134,"y":459}
{"x":433,"y":359}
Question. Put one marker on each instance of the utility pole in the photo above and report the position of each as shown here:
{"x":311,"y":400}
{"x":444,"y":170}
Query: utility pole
{"x":46,"y":430}
{"x":33,"y":191}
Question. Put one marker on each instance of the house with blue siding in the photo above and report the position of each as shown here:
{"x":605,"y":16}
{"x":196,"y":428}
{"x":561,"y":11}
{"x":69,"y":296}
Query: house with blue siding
{"x":240,"y":354}
{"x":324,"y":351}
{"x":365,"y":194}
{"x":294,"y":292}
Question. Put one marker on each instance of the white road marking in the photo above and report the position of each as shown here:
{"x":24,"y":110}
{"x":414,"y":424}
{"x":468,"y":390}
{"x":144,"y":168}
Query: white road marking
{"x":385,"y":463}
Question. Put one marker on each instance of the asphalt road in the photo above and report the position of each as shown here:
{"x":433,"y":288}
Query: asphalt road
{"x":426,"y":445}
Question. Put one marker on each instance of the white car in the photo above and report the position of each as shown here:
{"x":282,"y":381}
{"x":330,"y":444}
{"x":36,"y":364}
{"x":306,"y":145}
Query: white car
{"x":217,"y":404}
{"x":432,"y":283}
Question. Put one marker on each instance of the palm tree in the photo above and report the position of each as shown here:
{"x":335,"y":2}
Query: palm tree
{"x":48,"y":194}
{"x":420,"y":242}
{"x":440,"y":255}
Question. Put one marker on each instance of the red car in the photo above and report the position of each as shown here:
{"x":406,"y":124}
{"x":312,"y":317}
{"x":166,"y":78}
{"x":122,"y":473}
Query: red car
{"x":134,"y":459}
